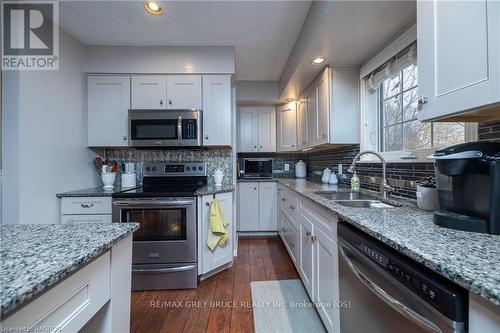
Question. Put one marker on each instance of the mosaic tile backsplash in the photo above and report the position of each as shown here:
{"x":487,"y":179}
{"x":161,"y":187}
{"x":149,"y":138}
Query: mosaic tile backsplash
{"x":216,"y":158}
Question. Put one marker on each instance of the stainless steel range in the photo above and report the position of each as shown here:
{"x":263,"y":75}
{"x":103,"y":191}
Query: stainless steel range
{"x":164,"y":247}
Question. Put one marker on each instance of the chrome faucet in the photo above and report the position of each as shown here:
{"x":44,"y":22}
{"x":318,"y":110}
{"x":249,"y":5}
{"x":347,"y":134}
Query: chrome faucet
{"x":384,"y":187}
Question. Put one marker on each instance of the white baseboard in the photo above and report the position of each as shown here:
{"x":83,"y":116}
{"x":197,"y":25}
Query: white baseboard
{"x":257,"y":233}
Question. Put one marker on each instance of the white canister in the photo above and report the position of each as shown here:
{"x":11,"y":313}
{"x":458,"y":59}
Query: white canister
{"x":108,"y":179}
{"x":218,"y":178}
{"x":128,"y":180}
{"x":326,"y":175}
{"x":333,"y":179}
{"x":301,"y":169}
{"x":427,"y":198}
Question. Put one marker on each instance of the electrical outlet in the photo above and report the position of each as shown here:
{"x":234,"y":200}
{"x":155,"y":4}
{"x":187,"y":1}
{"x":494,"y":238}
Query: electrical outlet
{"x":287,"y":167}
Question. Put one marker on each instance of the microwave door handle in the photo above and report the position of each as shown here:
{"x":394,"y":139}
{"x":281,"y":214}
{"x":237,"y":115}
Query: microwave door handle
{"x":179,"y":128}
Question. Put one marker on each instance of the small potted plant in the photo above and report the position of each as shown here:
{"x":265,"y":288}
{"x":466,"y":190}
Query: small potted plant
{"x":427,"y":194}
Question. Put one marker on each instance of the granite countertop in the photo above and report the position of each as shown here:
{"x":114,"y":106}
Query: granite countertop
{"x":93,"y":192}
{"x":211,"y":189}
{"x":34,"y":257}
{"x":469,"y":259}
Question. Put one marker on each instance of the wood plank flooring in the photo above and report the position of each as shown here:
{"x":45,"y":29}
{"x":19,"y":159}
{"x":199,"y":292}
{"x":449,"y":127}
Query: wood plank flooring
{"x":221,"y":303}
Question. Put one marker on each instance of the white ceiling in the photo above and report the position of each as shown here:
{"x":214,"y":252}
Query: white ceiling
{"x":262,"y":32}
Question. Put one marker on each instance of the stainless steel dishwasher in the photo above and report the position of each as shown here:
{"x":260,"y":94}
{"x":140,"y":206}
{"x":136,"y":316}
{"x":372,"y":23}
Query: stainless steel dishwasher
{"x":389,"y":292}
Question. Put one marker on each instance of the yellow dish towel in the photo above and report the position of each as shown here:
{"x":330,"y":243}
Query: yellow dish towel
{"x":217,"y":227}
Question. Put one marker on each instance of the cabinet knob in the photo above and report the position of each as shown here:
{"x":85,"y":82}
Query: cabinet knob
{"x":308,"y":233}
{"x":260,"y":146}
{"x":423,"y":100}
{"x":313,"y":238}
{"x":283,"y":199}
{"x":124,"y":138}
{"x":292,"y":207}
{"x":293,"y":145}
{"x":206,"y":137}
{"x":169,"y":102}
{"x":324,"y":135}
{"x":207,"y":204}
{"x":161,"y":102}
{"x":255,"y":188}
{"x":255,"y":147}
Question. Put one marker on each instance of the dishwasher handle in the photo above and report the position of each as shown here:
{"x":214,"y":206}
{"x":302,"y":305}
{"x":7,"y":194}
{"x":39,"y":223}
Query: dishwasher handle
{"x":388,"y":299}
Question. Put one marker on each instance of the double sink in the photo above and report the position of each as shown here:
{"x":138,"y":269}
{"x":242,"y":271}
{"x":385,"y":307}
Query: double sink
{"x":354,"y":199}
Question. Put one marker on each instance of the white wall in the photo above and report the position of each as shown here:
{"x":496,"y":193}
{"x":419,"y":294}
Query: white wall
{"x":160,"y":59}
{"x":45,"y":136}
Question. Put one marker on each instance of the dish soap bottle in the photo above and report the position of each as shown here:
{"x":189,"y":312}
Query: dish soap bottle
{"x":354,"y":182}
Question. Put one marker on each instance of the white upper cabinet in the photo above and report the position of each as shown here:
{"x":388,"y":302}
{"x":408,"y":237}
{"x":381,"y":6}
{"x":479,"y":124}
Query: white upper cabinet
{"x":108,"y":103}
{"x":322,"y":108}
{"x":149,"y":92}
{"x":257,"y":129}
{"x":312,"y":115}
{"x":184,"y":92}
{"x":458,"y":56}
{"x":286,"y":122}
{"x":267,"y":129}
{"x":217,"y":110}
{"x":302,"y":124}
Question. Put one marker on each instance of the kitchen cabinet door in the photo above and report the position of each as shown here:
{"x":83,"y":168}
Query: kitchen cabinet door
{"x":322,"y":108}
{"x":268,"y":206}
{"x":302,"y":126}
{"x":108,"y":101}
{"x":184,"y":92}
{"x":221,"y":255}
{"x":149,"y":92}
{"x":289,"y":238}
{"x":306,"y":254}
{"x":248,"y":130}
{"x":312,"y":116}
{"x":217,"y":113}
{"x":267,"y":129}
{"x":248,"y":206}
{"x":458,"y":56}
{"x":287,"y":127}
{"x":326,"y":286}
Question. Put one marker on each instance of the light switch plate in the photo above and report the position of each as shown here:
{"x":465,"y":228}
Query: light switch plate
{"x":287,"y":167}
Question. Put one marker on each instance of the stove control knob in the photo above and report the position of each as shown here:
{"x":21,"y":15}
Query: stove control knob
{"x":200,"y":168}
{"x":153,"y":168}
{"x":188,"y":168}
{"x":148,"y":169}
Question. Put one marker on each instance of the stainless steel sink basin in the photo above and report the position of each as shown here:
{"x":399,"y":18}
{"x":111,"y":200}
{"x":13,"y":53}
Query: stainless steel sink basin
{"x":363,"y":204}
{"x":344,"y":196}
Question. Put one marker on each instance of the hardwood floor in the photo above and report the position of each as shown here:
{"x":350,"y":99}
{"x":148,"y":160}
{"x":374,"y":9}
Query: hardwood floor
{"x":221,"y":303}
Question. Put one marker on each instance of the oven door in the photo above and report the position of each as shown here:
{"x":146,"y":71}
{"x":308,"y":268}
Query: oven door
{"x":171,"y":128}
{"x":167,"y":232}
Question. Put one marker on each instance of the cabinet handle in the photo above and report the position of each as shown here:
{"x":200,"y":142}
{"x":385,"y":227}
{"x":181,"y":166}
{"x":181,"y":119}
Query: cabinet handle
{"x":292,"y":207}
{"x":308,"y":233}
{"x":423,"y":100}
{"x":124,"y":138}
{"x":169,"y":102}
{"x":313,"y":238}
{"x":87,"y":205}
{"x":207,"y":204}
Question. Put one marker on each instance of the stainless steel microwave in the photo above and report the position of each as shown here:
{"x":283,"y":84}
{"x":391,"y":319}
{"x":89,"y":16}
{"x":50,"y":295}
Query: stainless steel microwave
{"x":165,"y":128}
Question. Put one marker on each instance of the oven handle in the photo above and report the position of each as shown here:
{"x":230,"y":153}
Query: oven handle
{"x":388,"y":299}
{"x":156,"y":203}
{"x":163,"y":270}
{"x":179,"y":128}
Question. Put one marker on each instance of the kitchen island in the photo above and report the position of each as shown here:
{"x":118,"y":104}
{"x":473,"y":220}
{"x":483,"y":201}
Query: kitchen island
{"x":66,"y":277}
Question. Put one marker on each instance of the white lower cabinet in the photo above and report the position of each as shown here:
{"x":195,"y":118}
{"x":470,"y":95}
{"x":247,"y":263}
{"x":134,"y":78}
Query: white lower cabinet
{"x":209,"y":260}
{"x":316,"y":253}
{"x":86,"y":210}
{"x":257,"y":206}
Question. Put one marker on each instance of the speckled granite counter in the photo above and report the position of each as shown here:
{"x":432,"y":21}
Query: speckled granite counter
{"x":210,"y":189}
{"x":471,"y":260}
{"x":34,"y":257}
{"x":93,"y":192}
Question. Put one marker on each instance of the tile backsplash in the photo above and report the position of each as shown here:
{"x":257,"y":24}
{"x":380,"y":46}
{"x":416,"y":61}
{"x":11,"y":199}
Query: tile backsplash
{"x":489,"y":131}
{"x":216,"y":158}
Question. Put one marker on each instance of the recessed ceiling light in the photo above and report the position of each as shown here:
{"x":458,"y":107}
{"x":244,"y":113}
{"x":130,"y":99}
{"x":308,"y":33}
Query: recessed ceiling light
{"x":318,"y":60}
{"x":153,"y":7}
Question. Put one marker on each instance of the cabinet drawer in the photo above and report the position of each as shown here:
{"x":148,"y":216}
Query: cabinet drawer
{"x":86,"y":205}
{"x":86,"y":219}
{"x":322,"y":219}
{"x":71,"y":303}
{"x":289,"y":205}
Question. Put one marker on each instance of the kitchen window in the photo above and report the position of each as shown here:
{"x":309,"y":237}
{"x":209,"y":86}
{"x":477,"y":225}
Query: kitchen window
{"x":389,"y":108}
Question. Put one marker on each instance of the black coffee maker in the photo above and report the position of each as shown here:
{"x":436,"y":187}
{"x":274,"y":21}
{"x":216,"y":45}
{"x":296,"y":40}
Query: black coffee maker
{"x":468,"y":182}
